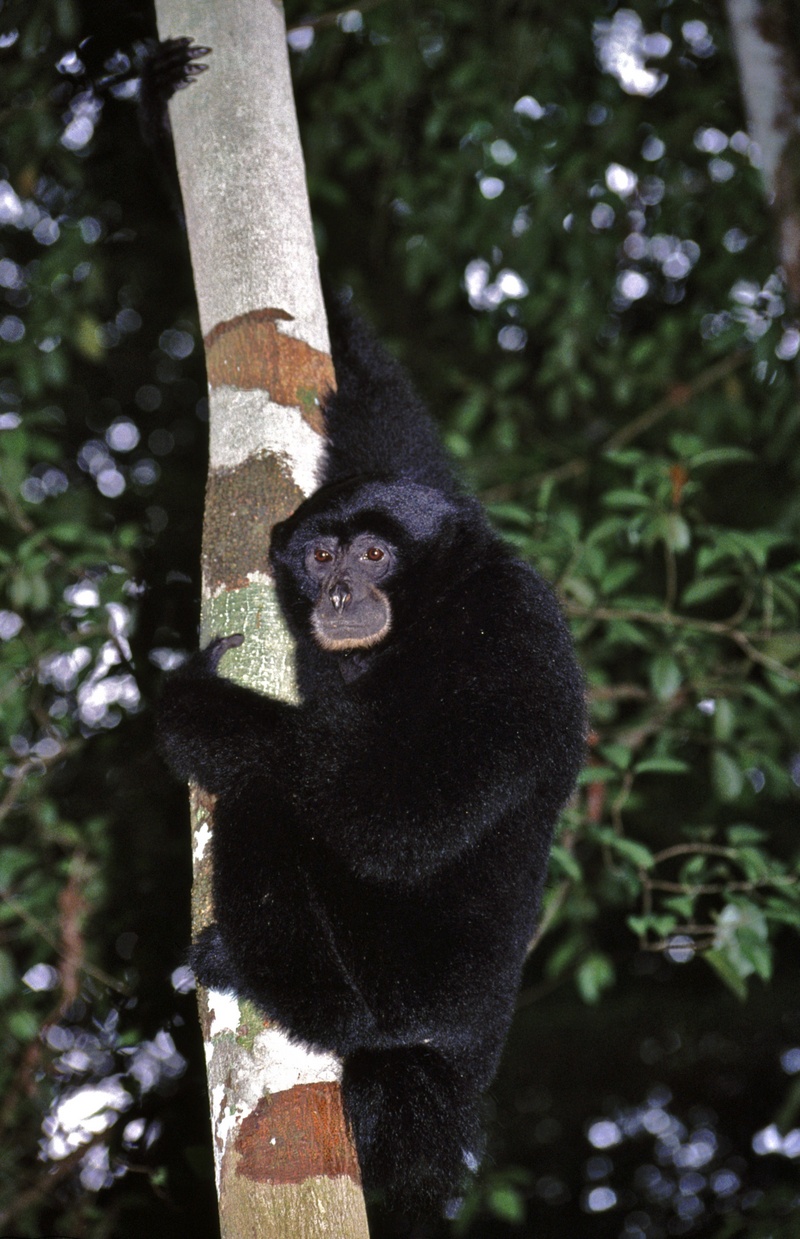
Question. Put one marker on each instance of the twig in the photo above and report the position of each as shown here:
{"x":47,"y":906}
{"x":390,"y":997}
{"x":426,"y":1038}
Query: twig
{"x":677,"y":397}
{"x":553,"y":908}
{"x":709,"y":932}
{"x":694,"y":849}
{"x":41,"y":929}
{"x":72,"y":907}
{"x":618,"y":692}
{"x":634,"y":737}
{"x":619,"y":802}
{"x":721,"y":888}
{"x":669,"y":619}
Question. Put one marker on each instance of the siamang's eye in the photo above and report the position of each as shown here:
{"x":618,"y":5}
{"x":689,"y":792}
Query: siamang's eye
{"x":322,"y":556}
{"x":374,"y":553}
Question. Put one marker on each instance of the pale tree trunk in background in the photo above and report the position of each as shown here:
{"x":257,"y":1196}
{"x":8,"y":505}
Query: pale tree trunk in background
{"x":769,"y":72}
{"x":284,"y":1162}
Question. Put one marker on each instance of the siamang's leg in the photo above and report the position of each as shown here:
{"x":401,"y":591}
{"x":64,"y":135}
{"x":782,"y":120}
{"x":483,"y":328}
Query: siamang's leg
{"x":276,"y":939}
{"x":213,"y":964}
{"x":212,"y":732}
{"x":289,"y":972}
{"x":312,"y":999}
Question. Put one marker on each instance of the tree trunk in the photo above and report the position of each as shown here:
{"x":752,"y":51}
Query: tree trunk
{"x":769,"y":72}
{"x":284,"y":1162}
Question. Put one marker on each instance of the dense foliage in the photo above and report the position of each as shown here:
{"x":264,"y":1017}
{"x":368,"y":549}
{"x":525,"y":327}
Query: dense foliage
{"x":552,"y":213}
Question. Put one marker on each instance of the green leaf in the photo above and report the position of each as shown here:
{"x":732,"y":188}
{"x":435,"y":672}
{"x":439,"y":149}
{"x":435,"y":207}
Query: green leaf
{"x":12,"y":862}
{"x":722,"y":456}
{"x":742,"y":834}
{"x":564,"y":955}
{"x":681,"y":905}
{"x":578,"y":588}
{"x":705,"y":588}
{"x":727,"y":776}
{"x":507,"y":1203}
{"x":565,"y":862}
{"x":24,"y":1025}
{"x":627,"y":457}
{"x":655,"y":924}
{"x":743,"y":937}
{"x":721,"y":964}
{"x":783,"y":912}
{"x":510,"y":512}
{"x":618,"y":576}
{"x":640,"y":855}
{"x":596,"y":774}
{"x":755,"y":862}
{"x":88,"y":338}
{"x":758,"y":953}
{"x":739,"y":546}
{"x":594,"y":975}
{"x":68,"y":533}
{"x":618,"y":754}
{"x":662,"y":765}
{"x":632,"y":636}
{"x":724,"y":719}
{"x":665,"y":677}
{"x":626,"y":499}
{"x":471,"y":409}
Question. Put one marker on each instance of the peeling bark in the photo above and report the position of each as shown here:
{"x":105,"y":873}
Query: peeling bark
{"x":312,"y":1118}
{"x":284,"y":1162}
{"x":251,"y":352}
{"x":769,"y":71}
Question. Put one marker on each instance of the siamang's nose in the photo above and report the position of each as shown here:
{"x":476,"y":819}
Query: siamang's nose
{"x":340,"y":595}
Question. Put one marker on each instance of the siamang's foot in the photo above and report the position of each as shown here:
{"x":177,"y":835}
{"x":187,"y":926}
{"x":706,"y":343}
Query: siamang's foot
{"x":172,"y":65}
{"x":210,"y":962}
{"x":216,"y":648}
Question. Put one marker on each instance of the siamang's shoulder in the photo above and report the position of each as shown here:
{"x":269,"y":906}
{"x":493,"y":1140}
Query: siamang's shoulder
{"x":511,"y":614}
{"x":504,"y":578}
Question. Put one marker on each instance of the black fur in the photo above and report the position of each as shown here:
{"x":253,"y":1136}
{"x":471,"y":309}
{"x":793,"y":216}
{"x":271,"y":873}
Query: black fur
{"x":379,"y":850}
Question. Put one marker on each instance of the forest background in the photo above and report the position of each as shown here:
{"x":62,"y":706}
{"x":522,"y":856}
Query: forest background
{"x":554,"y":214}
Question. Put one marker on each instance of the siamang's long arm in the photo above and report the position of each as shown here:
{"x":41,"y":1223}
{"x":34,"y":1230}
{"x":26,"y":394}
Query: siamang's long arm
{"x":213,"y":732}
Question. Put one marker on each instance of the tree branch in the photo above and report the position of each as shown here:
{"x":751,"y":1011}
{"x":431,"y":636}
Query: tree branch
{"x":669,"y":619}
{"x":284,"y":1163}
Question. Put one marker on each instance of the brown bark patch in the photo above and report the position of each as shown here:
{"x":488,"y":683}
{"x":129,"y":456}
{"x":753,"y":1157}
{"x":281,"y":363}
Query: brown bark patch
{"x":252,"y":353}
{"x":295,"y":1135}
{"x":242,"y":504}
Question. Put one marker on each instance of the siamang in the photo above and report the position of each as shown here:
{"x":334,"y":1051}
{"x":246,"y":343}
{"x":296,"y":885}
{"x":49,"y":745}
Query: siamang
{"x":379,"y":849}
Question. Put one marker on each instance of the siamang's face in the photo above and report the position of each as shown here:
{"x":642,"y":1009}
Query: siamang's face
{"x":345,"y":558}
{"x":351,"y":610}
